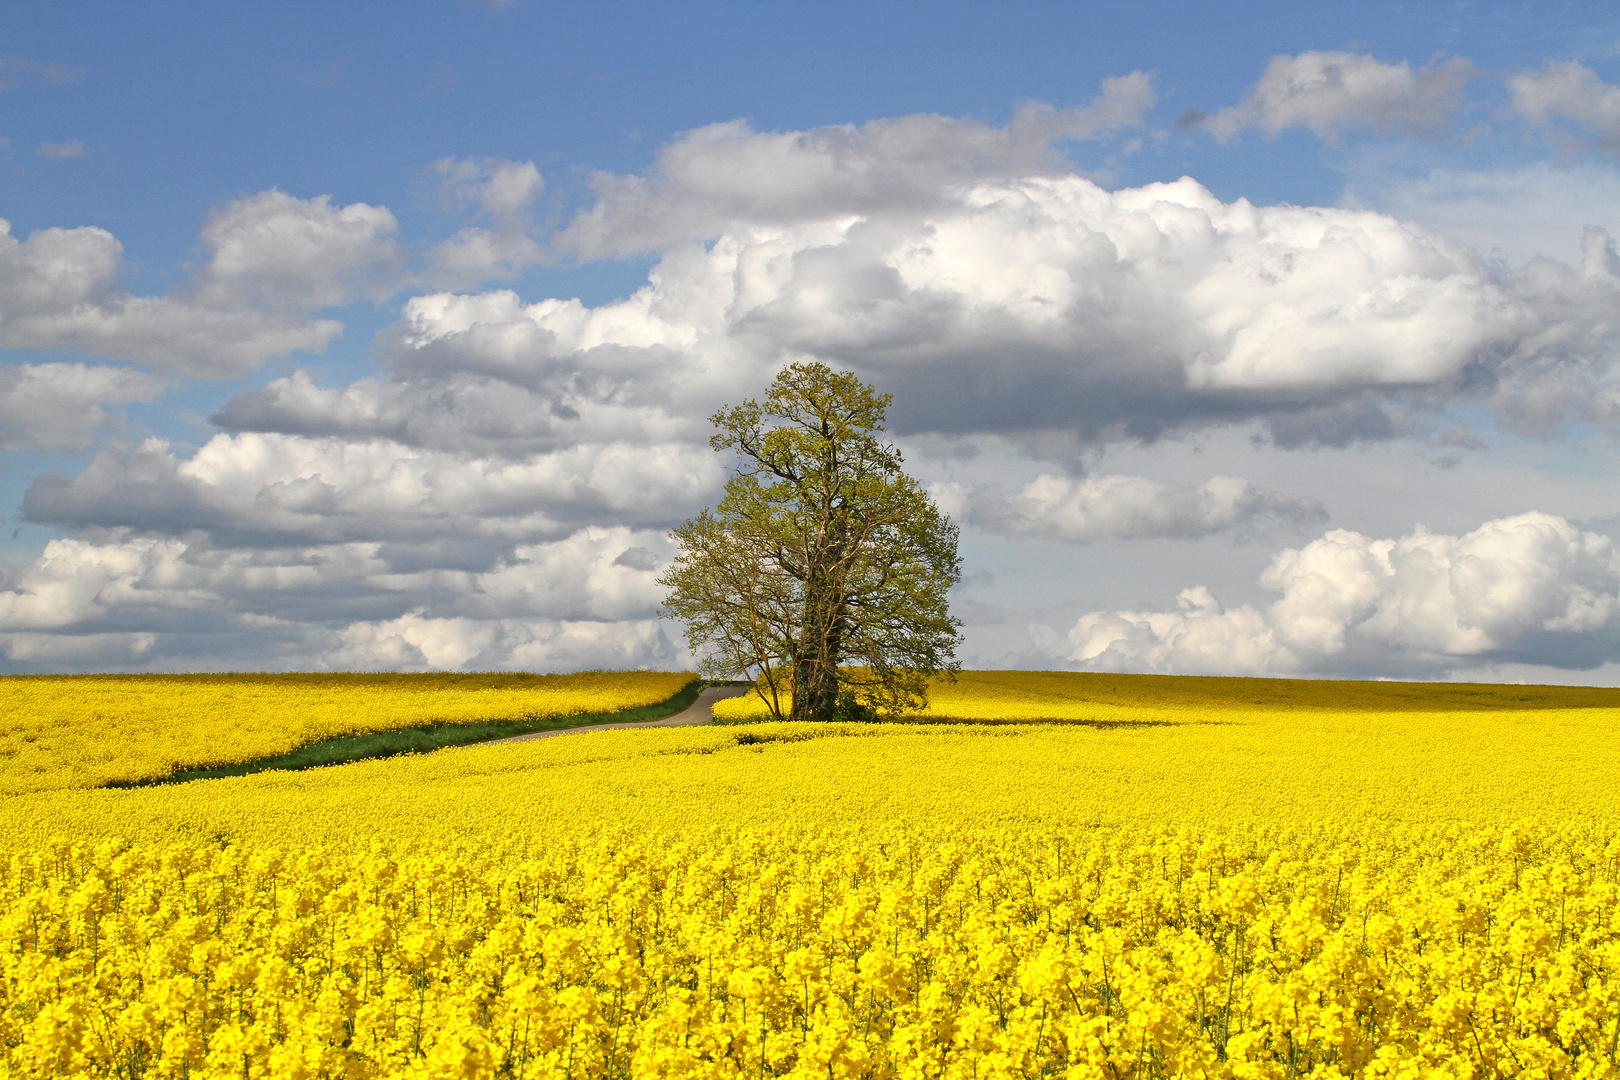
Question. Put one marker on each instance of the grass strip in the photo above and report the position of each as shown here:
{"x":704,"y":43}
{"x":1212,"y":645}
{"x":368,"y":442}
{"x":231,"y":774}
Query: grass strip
{"x":420,"y":739}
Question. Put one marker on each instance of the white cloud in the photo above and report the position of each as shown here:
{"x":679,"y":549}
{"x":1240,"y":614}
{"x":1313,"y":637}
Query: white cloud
{"x":1569,"y":91}
{"x":65,"y":584}
{"x":288,"y":489}
{"x":1044,"y":305}
{"x":56,"y":270}
{"x":1330,"y":92}
{"x":587,"y":599}
{"x":1529,"y":589}
{"x":1116,"y":507}
{"x":59,"y":652}
{"x":415,"y":642}
{"x":61,"y":406}
{"x":273,"y":260}
{"x":456,"y":411}
{"x":501,"y":191}
{"x":723,"y":176}
{"x":476,"y":254}
{"x":1050,"y":304}
{"x":278,"y":252}
{"x":595,"y":574}
{"x":664,"y":347}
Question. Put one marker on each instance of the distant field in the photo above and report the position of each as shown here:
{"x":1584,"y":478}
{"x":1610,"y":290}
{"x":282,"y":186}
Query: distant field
{"x":1033,"y":696}
{"x":90,"y":730}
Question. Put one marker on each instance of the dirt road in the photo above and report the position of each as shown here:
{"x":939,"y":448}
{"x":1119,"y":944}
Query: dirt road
{"x":696,"y":713}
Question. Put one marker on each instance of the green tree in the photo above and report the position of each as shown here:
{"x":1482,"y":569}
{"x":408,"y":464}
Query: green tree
{"x":824,"y":569}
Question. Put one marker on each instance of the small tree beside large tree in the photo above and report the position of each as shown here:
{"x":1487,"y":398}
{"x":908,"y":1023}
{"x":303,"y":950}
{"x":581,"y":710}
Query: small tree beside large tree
{"x":822,"y":574}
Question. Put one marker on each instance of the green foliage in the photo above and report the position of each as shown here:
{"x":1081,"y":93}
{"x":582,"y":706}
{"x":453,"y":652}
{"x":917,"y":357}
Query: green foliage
{"x":823,"y":572}
{"x":851,"y":708}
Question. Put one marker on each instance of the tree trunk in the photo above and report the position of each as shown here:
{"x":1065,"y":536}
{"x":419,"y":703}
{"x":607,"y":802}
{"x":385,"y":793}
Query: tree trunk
{"x":815,"y":668}
{"x":815,"y":690}
{"x":823,"y":695}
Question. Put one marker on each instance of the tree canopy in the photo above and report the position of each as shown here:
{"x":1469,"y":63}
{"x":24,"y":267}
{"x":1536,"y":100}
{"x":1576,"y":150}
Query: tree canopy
{"x":822,"y":573}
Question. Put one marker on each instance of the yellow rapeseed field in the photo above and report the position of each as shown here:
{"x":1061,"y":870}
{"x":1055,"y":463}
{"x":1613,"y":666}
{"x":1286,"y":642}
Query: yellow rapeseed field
{"x":1043,"y":696}
{"x":1315,"y":892}
{"x":77,"y":731}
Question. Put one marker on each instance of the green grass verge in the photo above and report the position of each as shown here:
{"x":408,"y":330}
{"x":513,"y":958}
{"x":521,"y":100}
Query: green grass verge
{"x":418,"y":740}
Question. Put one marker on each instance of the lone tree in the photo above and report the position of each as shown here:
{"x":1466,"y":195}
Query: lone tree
{"x":823,"y":571}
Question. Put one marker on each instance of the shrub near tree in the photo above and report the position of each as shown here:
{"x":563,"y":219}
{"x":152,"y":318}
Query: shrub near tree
{"x":823,"y":572}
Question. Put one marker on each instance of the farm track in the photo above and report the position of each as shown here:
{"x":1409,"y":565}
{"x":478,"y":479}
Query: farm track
{"x":699,"y":712}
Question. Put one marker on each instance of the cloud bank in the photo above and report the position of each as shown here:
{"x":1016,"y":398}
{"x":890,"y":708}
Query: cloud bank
{"x":133,"y":602}
{"x":1530,"y":589}
{"x":498,"y":493}
{"x":1115,"y":507}
{"x":1037,"y":308}
{"x":273,"y":260}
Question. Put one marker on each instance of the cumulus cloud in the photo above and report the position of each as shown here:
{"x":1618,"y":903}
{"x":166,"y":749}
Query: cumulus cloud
{"x":716,"y":178}
{"x":287,"y":489}
{"x":414,"y":642}
{"x":63,"y":406}
{"x":150,"y":601}
{"x":1569,"y":91}
{"x":272,"y":261}
{"x":1530,"y":589}
{"x":1330,"y":92}
{"x":456,"y":411}
{"x":1116,"y":507}
{"x":1033,"y":308}
{"x":1051,"y":305}
{"x":275,"y":251}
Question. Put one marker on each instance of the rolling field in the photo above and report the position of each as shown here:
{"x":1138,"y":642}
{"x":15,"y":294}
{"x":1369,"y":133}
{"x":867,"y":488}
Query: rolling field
{"x":1003,"y":697}
{"x":1307,"y":891}
{"x":81,"y":731}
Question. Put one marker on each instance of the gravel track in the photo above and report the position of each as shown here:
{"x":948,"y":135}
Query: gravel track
{"x":696,"y":713}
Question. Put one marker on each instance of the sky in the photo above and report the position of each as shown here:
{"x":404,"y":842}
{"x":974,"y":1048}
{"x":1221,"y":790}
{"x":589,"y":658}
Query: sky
{"x":1247,"y":339}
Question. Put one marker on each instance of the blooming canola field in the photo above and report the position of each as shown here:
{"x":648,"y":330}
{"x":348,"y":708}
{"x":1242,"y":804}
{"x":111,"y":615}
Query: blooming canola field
{"x":1012,"y":697}
{"x":77,"y":731}
{"x":1279,"y":892}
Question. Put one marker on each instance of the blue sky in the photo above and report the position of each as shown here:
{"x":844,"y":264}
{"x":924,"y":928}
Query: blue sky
{"x":282,"y":389}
